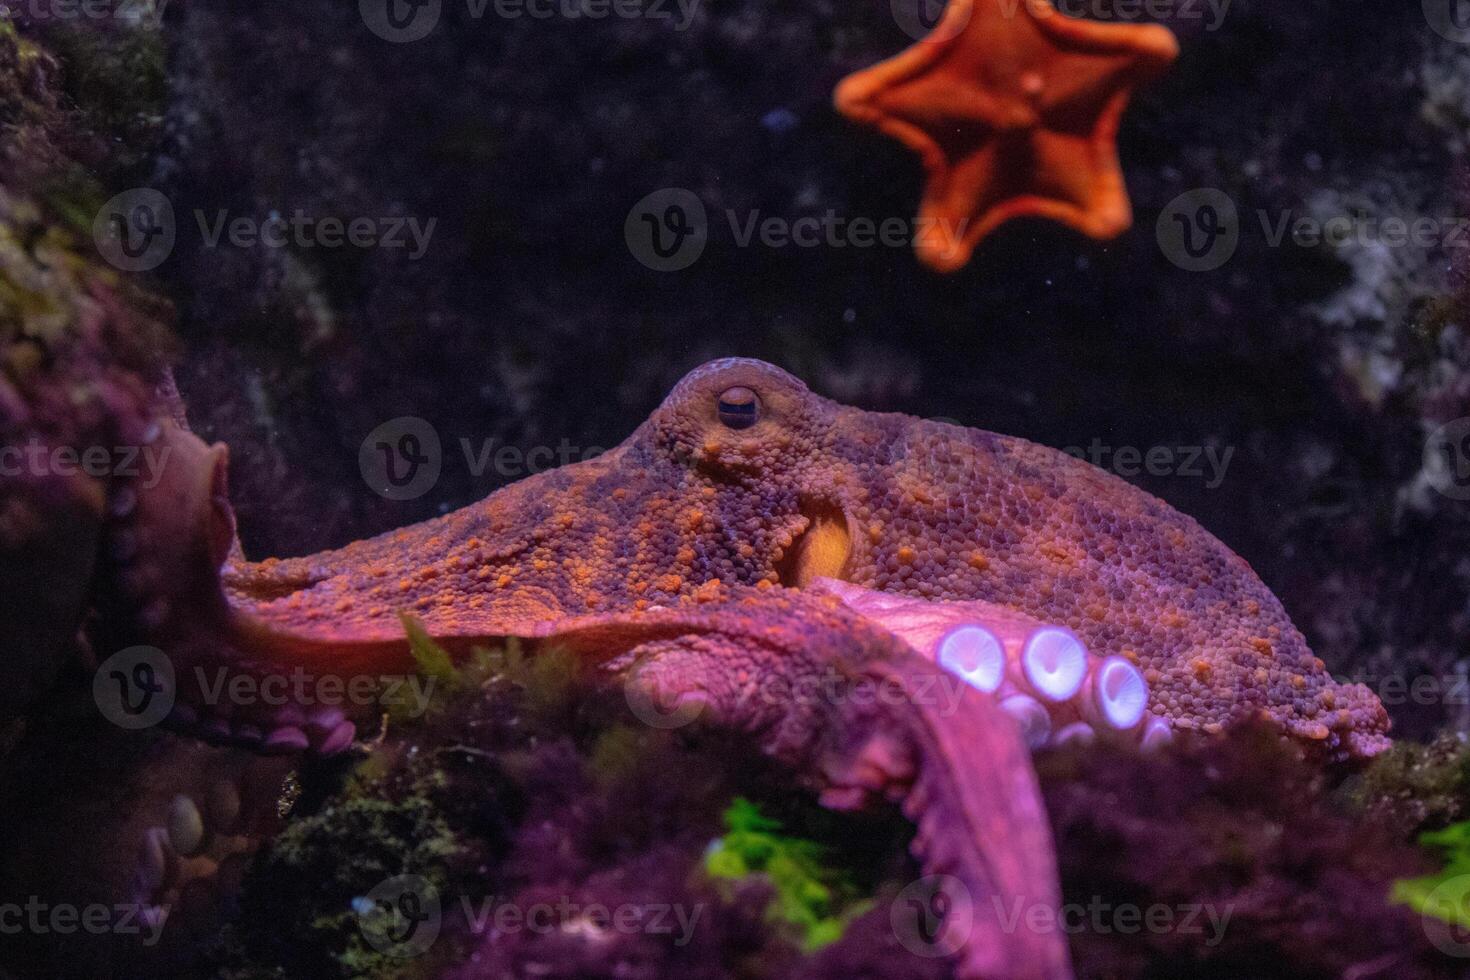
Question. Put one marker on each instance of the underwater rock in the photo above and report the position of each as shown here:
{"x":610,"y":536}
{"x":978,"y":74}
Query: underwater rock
{"x":81,"y":348}
{"x":1230,"y":858}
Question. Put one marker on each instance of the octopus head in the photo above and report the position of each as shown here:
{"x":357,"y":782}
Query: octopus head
{"x":758,"y":436}
{"x":742,"y":418}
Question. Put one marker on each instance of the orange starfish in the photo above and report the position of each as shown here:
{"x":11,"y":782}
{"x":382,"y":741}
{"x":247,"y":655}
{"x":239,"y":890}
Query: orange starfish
{"x":1013,"y":108}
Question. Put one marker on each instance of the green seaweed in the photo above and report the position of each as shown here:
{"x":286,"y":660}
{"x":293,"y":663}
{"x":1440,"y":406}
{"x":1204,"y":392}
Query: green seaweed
{"x":433,"y":660}
{"x":1444,"y":895}
{"x":816,"y":899}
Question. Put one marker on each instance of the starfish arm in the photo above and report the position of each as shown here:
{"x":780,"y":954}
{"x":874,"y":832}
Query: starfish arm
{"x":1153,"y":45}
{"x":854,"y":92}
{"x":958,"y":209}
{"x":1087,"y":192}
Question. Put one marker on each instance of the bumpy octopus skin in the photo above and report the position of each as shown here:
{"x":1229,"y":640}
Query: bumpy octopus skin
{"x":749,"y":536}
{"x":830,"y":692}
{"x":745,"y":477}
{"x":840,"y":699}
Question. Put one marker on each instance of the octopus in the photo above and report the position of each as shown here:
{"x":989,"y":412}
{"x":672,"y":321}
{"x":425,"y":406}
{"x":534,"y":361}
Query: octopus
{"x":751,"y":540}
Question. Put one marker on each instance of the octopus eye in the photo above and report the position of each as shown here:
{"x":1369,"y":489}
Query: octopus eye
{"x":739,"y":407}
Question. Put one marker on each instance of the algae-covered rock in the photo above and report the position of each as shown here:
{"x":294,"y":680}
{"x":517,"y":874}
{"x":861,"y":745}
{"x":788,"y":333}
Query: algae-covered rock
{"x":1415,"y":787}
{"x":550,"y":834}
{"x":82,"y":346}
{"x":1229,"y":858}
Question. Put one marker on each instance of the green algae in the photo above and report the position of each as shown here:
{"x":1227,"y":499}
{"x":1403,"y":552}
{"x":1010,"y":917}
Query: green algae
{"x":818,"y":899}
{"x":1444,"y":895}
{"x":432,"y":659}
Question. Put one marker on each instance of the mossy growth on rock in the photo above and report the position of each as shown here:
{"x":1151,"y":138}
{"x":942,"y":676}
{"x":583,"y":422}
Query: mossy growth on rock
{"x":1235,"y":856}
{"x":540,"y":813}
{"x":559,"y":835}
{"x":54,"y":287}
{"x":1415,"y":787}
{"x":303,"y":896}
{"x":116,"y":76}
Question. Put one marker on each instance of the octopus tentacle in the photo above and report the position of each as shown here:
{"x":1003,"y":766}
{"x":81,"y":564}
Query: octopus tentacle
{"x":195,"y":852}
{"x":956,"y":766}
{"x":1041,"y":674}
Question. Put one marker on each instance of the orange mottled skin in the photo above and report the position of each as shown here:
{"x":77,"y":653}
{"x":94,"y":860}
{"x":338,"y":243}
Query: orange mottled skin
{"x":694,"y":563}
{"x":919,"y":508}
